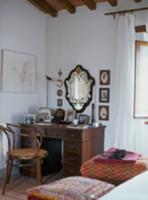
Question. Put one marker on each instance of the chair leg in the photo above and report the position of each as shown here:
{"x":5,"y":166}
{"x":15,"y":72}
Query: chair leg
{"x":8,"y":168}
{"x":38,"y":170}
{"x":9,"y":171}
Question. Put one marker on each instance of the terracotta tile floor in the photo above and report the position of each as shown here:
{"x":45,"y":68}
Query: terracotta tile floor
{"x":18,"y":186}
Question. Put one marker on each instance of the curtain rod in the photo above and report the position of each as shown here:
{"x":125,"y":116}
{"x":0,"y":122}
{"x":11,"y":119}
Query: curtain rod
{"x":125,"y":11}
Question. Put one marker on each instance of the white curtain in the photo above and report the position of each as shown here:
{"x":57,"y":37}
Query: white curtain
{"x":3,"y":149}
{"x":127,"y":130}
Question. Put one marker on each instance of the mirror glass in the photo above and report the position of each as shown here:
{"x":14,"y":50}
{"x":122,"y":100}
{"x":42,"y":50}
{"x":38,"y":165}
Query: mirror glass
{"x":79,"y":88}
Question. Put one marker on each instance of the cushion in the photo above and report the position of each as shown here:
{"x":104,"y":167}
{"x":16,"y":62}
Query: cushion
{"x":114,"y":155}
{"x":75,"y":188}
{"x":113,"y":172}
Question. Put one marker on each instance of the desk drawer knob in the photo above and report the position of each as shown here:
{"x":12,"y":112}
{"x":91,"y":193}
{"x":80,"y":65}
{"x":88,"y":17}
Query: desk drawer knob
{"x":72,"y":135}
{"x":71,"y":158}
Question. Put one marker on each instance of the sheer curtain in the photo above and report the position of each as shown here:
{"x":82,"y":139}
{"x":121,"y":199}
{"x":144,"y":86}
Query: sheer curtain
{"x":3,"y":150}
{"x":129,"y":133}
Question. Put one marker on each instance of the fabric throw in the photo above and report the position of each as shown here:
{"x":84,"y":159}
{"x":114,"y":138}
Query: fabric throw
{"x":114,"y":155}
{"x":71,"y":188}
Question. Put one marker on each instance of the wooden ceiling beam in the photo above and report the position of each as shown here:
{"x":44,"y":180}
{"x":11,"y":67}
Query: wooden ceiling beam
{"x":90,"y":4}
{"x":68,"y":6}
{"x":113,"y":2}
{"x":141,"y":28}
{"x":137,"y":1}
{"x":33,"y":2}
{"x":45,"y":6}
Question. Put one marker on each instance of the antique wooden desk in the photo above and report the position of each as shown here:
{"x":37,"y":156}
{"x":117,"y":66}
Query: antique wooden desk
{"x":78,"y":144}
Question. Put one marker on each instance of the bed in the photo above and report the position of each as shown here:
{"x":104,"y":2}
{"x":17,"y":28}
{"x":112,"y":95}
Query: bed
{"x":134,"y":189}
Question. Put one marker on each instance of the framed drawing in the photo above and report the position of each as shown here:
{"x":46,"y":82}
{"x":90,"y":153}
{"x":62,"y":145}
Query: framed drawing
{"x":103,"y":112}
{"x":18,"y":72}
{"x":59,"y":102}
{"x":104,"y":77}
{"x":104,"y":95}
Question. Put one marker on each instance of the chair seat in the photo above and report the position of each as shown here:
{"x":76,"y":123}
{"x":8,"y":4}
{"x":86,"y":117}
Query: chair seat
{"x":26,"y":153}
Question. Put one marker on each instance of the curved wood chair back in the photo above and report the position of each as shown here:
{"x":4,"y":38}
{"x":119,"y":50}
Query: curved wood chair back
{"x":12,"y":131}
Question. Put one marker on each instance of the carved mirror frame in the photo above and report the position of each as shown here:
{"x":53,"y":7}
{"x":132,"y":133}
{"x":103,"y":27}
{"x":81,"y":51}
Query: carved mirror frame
{"x":83,"y":77}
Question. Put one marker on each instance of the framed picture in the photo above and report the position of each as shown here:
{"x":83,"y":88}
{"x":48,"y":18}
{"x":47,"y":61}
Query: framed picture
{"x":104,"y":95}
{"x":59,"y":83}
{"x":59,"y":102}
{"x":104,"y":77}
{"x":59,"y":92}
{"x":83,"y":119}
{"x":69,"y":115}
{"x":18,"y":72}
{"x":103,"y":112}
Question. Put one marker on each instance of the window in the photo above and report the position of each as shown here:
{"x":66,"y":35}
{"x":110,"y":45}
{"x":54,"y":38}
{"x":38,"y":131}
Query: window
{"x":141,"y":80}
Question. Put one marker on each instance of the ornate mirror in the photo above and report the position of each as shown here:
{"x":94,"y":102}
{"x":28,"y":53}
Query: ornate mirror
{"x":79,"y":88}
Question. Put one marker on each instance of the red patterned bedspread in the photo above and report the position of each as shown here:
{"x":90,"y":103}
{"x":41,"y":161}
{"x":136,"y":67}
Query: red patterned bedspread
{"x":113,"y":172}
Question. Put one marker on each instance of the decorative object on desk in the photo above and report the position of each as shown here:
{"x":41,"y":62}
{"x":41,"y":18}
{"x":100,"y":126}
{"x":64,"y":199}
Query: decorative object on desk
{"x":83,"y":119}
{"x":79,"y":88}
{"x":18,"y":72}
{"x":59,"y":92}
{"x":69,"y":115}
{"x":59,"y":83}
{"x":30,"y":119}
{"x":104,"y":77}
{"x":103,"y":112}
{"x":43,"y":115}
{"x":48,"y":79}
{"x":59,"y":102}
{"x":104,"y":95}
{"x":92,"y":113}
{"x":58,"y":115}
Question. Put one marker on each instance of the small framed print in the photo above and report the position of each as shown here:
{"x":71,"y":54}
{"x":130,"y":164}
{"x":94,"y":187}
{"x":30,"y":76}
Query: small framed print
{"x":59,"y":83}
{"x":59,"y":102}
{"x":103,"y":112}
{"x":59,"y":92}
{"x":104,"y":77}
{"x":104,"y":95}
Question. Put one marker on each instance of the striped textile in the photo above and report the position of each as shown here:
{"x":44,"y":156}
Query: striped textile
{"x":113,"y":172}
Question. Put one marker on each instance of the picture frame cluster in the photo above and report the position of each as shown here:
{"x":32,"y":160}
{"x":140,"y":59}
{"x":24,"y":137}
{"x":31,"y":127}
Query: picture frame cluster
{"x":59,"y":84}
{"x":104,"y":94}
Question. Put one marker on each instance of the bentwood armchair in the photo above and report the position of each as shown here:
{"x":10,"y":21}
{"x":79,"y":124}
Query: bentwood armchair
{"x":23,"y":155}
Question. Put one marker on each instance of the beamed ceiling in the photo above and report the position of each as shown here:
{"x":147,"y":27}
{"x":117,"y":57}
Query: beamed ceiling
{"x":52,"y":7}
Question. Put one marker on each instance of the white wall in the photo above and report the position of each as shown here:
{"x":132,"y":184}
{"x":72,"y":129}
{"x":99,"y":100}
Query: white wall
{"x":87,"y":38}
{"x":22,"y":29}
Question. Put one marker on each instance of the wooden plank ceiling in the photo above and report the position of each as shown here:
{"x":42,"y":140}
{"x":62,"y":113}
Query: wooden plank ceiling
{"x":52,"y":7}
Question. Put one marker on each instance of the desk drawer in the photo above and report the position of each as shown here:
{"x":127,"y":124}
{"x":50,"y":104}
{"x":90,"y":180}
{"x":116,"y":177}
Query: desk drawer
{"x":72,"y":158}
{"x":55,"y":133}
{"x":70,"y":170}
{"x":70,"y":147}
{"x":72,"y":134}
